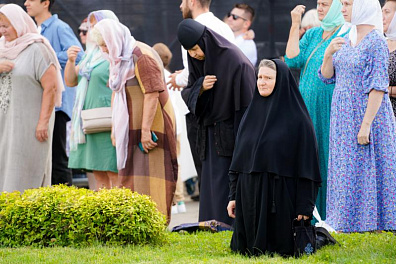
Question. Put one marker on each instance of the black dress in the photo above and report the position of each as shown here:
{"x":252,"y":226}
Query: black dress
{"x":392,"y":77}
{"x":274,"y":175}
{"x":266,"y":205}
{"x":217,"y":111}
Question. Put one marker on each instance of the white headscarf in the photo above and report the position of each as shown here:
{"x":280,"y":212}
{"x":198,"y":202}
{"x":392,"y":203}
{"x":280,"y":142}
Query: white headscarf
{"x":391,"y":32}
{"x":364,"y":12}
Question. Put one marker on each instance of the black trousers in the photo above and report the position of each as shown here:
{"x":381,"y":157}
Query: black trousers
{"x":192,"y":131}
{"x":60,"y":171}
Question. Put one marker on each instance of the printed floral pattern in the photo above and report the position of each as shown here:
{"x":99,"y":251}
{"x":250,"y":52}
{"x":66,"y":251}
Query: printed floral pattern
{"x":5,"y":91}
{"x":361,"y":179}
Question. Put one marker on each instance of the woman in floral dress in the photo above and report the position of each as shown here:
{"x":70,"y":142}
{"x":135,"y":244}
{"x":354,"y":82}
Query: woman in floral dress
{"x":362,"y":163}
{"x":389,"y":19}
{"x":307,"y":55}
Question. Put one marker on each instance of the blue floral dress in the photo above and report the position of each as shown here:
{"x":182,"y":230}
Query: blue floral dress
{"x":317,"y":97}
{"x":361,"y":185}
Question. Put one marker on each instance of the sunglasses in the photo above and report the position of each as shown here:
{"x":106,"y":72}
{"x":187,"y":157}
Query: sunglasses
{"x":82,"y":31}
{"x":235,"y":17}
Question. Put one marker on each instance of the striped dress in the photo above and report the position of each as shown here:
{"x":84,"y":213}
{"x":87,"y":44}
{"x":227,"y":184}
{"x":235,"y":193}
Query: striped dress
{"x":155,"y":173}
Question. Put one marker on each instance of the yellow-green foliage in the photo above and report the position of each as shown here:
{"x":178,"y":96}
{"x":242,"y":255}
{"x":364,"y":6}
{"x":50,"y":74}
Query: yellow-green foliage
{"x":64,"y":216}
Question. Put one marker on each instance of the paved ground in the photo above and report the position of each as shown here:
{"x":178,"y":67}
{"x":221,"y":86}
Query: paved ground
{"x":191,"y":216}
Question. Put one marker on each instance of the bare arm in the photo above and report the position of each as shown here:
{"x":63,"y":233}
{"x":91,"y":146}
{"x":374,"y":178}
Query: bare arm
{"x":71,"y":70}
{"x":292,"y":47}
{"x":392,"y":91}
{"x":373,"y":105}
{"x":149,"y":109}
{"x":327,"y":68}
{"x":48,"y":83}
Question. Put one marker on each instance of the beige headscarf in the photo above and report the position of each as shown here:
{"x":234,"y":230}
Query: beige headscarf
{"x":27,"y":34}
{"x":120,"y":44}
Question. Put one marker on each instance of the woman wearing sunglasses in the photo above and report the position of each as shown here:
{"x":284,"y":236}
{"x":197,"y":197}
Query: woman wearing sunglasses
{"x":82,"y":31}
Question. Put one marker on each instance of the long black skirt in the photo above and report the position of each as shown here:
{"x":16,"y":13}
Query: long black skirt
{"x":264,"y":211}
{"x":214,"y":190}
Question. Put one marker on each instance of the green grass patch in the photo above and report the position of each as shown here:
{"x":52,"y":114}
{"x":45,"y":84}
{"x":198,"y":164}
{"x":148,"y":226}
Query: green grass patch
{"x":206,"y":247}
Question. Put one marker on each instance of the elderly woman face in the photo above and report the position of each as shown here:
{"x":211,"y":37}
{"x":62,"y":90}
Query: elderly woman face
{"x":323,"y":8}
{"x":6,"y":29}
{"x":266,"y":81}
{"x":388,"y":11}
{"x":196,"y":53}
{"x":347,"y":9}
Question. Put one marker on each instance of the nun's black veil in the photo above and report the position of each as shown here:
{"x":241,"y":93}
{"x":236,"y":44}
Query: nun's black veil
{"x":235,"y":74}
{"x":276,"y":134}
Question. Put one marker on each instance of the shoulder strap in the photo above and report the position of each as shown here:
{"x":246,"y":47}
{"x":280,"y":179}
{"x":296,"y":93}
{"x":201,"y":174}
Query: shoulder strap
{"x":317,"y":47}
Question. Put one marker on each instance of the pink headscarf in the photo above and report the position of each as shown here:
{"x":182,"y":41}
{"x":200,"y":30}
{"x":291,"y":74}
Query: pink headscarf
{"x":120,"y":44}
{"x":27,"y":34}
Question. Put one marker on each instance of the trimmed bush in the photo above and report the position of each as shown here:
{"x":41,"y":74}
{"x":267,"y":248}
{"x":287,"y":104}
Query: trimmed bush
{"x":68,"y":216}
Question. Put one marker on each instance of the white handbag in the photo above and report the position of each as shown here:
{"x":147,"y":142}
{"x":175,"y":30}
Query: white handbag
{"x":96,"y":120}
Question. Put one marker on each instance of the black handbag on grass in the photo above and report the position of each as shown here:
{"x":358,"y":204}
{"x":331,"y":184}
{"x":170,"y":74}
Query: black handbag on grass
{"x":304,"y":235}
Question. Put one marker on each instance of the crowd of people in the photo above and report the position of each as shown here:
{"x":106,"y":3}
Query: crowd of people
{"x":266,"y":149}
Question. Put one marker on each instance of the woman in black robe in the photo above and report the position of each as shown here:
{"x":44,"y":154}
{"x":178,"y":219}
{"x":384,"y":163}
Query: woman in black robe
{"x":274,"y":174}
{"x":220,"y":87}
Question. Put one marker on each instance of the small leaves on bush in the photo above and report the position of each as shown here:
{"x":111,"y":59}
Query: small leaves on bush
{"x":68,"y":216}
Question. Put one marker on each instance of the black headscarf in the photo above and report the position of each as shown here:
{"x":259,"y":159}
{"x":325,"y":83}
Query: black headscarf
{"x":235,"y":74}
{"x":276,"y":134}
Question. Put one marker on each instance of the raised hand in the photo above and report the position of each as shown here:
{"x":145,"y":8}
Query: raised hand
{"x":335,"y":45}
{"x":72,"y":53}
{"x":297,"y":13}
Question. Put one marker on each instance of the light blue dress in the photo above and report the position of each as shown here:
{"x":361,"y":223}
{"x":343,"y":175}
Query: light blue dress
{"x":317,"y":97}
{"x":361,"y":194}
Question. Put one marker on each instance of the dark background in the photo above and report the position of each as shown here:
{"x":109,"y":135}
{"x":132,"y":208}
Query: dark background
{"x":153,"y":21}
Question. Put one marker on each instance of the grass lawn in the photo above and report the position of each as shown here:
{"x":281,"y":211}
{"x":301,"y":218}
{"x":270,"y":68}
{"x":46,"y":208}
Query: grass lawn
{"x":206,"y":247}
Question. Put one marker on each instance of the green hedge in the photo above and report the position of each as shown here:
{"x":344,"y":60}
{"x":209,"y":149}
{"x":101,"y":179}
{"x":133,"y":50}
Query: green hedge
{"x":68,"y":216}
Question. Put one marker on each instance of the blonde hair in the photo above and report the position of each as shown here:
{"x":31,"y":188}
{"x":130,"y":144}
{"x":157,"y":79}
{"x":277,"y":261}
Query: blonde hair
{"x":310,"y":19}
{"x":97,"y":37}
